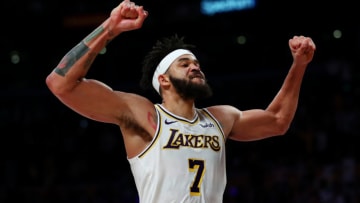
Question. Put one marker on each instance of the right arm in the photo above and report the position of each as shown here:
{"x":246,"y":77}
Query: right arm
{"x":91,"y":98}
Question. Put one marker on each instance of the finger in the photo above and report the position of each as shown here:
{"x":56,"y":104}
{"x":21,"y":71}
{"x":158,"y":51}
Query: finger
{"x":124,"y":3}
{"x":294,"y":44}
{"x":309,"y":45}
{"x":142,"y":14}
{"x":312,"y":44}
{"x":129,"y":10}
{"x":127,"y":5}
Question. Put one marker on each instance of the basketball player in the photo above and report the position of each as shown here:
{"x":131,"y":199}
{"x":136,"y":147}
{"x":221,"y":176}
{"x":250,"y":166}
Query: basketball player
{"x":176,"y":151}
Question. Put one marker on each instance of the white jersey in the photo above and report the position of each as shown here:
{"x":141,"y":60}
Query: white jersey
{"x":185,"y":162}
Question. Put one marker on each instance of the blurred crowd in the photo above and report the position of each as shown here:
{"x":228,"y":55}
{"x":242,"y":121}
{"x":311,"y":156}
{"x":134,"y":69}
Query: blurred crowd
{"x":52,"y":155}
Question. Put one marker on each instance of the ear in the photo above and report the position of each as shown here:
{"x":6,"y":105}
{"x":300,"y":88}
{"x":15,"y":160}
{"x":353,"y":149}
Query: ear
{"x":164,"y":81}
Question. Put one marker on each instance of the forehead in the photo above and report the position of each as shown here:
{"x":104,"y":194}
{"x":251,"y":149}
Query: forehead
{"x":183,"y":58}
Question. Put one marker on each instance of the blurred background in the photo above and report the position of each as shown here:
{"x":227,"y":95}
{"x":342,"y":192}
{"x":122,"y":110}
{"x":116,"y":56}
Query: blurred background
{"x":49,"y":154}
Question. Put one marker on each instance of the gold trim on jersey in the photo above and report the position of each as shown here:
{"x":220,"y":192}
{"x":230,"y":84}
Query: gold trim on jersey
{"x":209,"y":115}
{"x":156,"y":136}
{"x":192,"y":122}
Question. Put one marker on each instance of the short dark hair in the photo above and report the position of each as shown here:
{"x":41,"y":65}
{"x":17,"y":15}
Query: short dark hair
{"x":161,"y":48}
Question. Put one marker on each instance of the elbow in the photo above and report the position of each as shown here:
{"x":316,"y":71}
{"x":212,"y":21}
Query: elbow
{"x":51,"y":83}
{"x":282,"y":127}
{"x":55,"y":85}
{"x":283,"y":131}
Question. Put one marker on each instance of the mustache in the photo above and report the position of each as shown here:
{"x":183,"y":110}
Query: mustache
{"x":197,"y":75}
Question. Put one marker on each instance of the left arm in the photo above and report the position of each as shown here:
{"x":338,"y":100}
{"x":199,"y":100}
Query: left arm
{"x":275,"y":120}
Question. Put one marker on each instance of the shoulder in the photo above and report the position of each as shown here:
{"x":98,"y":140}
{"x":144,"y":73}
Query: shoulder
{"x":223,"y":110}
{"x":134,"y":101}
{"x":226,"y":115}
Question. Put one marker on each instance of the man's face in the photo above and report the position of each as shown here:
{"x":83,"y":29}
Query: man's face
{"x":188,"y":80}
{"x":188,"y":89}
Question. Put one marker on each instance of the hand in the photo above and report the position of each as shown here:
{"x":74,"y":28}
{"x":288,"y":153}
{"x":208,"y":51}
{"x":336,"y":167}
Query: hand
{"x":302,"y":49}
{"x":126,"y":16}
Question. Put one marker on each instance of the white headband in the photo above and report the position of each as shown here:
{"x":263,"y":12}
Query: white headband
{"x":165,"y":64}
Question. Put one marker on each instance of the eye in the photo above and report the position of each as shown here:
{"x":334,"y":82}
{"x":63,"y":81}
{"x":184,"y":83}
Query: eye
{"x":185,"y":65}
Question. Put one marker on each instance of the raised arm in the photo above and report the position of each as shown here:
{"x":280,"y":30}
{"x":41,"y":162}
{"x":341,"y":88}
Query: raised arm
{"x":88,"y":97}
{"x":275,"y":120}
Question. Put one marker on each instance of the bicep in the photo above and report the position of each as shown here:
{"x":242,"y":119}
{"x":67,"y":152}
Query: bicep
{"x":96,"y":101}
{"x":254,"y":124}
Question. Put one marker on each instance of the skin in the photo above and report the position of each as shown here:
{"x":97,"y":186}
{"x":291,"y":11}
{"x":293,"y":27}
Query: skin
{"x":135,"y":115}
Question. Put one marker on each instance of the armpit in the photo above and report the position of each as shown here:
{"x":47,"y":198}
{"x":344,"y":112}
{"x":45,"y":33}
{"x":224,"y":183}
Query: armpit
{"x":130,"y":125}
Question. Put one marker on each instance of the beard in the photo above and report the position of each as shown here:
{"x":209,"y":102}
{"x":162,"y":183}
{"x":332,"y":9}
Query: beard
{"x":189,"y":90}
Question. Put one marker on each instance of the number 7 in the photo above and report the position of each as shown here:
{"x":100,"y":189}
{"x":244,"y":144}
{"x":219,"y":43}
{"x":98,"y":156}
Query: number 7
{"x":197,"y":166}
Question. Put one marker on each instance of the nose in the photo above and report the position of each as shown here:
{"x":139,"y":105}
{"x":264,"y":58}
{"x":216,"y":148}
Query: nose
{"x":194,"y":67}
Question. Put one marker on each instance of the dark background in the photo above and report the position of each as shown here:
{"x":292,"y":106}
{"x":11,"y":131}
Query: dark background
{"x":51,"y":154}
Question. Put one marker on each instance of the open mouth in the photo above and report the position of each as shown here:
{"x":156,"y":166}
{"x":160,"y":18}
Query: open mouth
{"x":196,"y":76}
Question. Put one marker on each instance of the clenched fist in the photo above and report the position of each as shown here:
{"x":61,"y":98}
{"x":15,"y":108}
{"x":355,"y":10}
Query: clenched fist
{"x":130,"y":10}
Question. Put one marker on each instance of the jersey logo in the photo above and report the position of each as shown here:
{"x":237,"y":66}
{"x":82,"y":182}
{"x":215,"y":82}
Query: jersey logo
{"x":169,"y":122}
{"x":178,"y":139}
{"x":207,"y":125}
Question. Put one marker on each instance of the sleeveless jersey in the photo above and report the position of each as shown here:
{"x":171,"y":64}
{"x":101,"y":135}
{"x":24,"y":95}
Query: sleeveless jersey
{"x":185,"y":162}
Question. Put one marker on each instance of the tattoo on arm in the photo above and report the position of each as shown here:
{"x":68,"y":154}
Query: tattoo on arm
{"x":94,"y":34}
{"x":77,"y":52}
{"x":152,"y":120}
{"x":70,"y":58}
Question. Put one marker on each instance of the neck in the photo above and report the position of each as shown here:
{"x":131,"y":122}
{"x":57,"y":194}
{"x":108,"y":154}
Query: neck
{"x":180,"y":107}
